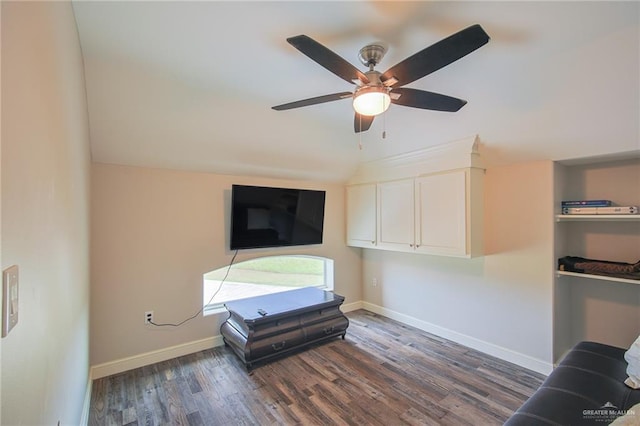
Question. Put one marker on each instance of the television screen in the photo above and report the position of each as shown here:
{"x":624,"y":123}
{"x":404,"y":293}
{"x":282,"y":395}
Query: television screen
{"x":275,"y":217}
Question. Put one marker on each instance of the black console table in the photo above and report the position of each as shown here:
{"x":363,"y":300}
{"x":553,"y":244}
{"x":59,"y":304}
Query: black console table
{"x":264,"y":327}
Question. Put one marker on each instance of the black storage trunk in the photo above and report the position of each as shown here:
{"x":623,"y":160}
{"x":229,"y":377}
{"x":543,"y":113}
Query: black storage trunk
{"x":264,"y":327}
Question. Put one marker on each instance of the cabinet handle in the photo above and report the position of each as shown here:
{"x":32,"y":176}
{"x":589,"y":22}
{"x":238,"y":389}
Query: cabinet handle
{"x":373,"y":242}
{"x":410,"y":245}
{"x":329,"y":330}
{"x":277,"y":347}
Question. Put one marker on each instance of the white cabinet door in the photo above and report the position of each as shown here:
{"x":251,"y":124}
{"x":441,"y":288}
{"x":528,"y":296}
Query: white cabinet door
{"x":395,"y":215}
{"x":361,"y":215}
{"x":441,"y":213}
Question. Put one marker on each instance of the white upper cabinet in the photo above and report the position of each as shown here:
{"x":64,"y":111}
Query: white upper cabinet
{"x":441,"y":213}
{"x":428,"y":202}
{"x":361,"y":215}
{"x":395,"y":213}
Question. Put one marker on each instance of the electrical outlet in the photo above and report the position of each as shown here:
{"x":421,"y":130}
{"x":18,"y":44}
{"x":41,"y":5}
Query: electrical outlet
{"x":374,"y":282}
{"x":148,"y":317}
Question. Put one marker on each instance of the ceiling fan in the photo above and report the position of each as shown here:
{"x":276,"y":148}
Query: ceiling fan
{"x":375,"y":90}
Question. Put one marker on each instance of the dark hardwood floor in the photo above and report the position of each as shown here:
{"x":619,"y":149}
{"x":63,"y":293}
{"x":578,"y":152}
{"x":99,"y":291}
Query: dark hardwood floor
{"x":384,"y":373}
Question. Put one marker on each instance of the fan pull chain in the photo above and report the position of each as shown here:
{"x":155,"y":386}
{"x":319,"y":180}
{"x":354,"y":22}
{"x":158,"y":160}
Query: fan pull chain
{"x":360,"y":133}
{"x":384,"y":121}
{"x":384,"y":125}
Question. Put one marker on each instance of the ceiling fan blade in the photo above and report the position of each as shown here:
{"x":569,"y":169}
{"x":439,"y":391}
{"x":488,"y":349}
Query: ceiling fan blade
{"x":328,"y":59}
{"x":313,"y":101}
{"x":426,"y":100}
{"x":361,"y":123}
{"x":436,"y":56}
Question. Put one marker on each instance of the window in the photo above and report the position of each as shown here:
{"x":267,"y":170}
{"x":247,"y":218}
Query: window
{"x":264,"y":275}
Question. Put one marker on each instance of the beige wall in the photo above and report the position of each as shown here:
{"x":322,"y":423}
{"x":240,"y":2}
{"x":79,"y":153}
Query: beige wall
{"x":45,"y":217}
{"x":156,"y":232}
{"x":500,"y":303}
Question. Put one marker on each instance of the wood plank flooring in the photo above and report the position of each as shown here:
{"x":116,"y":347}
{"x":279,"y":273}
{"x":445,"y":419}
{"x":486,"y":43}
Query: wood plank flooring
{"x":384,"y":373}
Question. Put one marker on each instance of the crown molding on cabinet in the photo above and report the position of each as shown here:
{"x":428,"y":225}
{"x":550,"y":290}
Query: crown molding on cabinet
{"x":458,"y":154}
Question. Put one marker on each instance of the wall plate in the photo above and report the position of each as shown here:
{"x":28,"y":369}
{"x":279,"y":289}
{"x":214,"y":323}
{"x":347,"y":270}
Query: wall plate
{"x":9,"y":299}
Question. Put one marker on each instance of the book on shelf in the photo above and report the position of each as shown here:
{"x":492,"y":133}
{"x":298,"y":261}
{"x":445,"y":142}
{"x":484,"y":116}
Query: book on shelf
{"x":600,"y":210}
{"x":586,"y":203}
{"x":579,"y":210}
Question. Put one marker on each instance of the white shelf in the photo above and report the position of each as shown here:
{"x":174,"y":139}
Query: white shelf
{"x":598,"y":277}
{"x":598,"y":217}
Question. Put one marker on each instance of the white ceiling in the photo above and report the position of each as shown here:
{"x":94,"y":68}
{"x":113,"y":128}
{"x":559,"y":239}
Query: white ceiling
{"x":189,"y":85}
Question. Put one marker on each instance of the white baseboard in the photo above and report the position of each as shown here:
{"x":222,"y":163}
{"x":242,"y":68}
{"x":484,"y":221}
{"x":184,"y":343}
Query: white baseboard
{"x":125,"y":364}
{"x":352,"y":306}
{"x":86,"y":405}
{"x":136,"y":361}
{"x":471,"y":342}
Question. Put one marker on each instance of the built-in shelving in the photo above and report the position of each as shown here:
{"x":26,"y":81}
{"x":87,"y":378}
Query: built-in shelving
{"x":592,"y":307}
{"x":598,"y":277}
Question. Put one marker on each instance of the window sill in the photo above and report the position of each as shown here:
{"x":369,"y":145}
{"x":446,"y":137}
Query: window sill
{"x":213,"y":310}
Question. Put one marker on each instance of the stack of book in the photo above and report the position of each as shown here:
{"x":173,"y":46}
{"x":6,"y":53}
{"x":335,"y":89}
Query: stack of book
{"x":596,"y":207}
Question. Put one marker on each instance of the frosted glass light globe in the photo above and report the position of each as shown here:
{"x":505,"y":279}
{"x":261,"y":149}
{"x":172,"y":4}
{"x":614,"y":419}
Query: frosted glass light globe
{"x":371,"y":100}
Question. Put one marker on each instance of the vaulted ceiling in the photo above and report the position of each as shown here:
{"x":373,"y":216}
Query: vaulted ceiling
{"x":190,"y":85}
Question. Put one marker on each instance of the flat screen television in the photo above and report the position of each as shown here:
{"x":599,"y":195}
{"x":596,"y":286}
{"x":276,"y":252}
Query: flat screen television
{"x":275,"y":217}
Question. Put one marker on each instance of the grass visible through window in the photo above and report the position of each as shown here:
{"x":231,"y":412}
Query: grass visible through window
{"x":266,"y":275}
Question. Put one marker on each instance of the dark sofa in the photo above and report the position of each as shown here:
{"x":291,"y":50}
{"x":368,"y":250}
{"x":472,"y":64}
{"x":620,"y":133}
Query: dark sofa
{"x":587,"y":387}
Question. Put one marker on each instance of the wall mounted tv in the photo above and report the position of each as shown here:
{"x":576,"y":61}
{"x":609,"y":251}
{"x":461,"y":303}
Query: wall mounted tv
{"x":275,"y":217}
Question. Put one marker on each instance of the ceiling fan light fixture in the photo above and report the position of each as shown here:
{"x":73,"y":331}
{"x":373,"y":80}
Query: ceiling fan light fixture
{"x":372,"y":100}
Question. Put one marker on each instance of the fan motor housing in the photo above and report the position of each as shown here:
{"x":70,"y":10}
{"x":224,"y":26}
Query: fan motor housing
{"x":374,"y":78}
